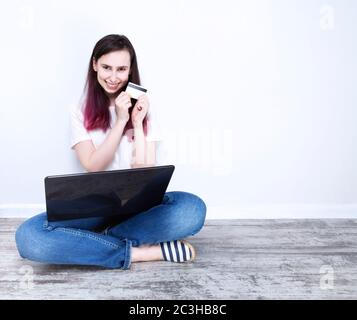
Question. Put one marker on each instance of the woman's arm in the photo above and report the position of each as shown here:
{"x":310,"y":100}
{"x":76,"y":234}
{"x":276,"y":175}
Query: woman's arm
{"x":93,"y":159}
{"x":144,"y":151}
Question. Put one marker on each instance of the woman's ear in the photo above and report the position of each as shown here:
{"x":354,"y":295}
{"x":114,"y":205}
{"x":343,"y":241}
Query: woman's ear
{"x":95,"y":65}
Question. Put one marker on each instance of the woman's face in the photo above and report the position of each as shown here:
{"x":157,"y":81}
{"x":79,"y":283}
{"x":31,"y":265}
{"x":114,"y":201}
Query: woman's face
{"x":113,"y":70}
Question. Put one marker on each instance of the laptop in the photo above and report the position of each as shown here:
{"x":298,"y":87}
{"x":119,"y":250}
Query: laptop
{"x":117,"y":194}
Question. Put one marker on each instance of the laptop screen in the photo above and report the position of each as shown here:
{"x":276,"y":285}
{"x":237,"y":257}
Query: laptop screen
{"x":117,"y":193}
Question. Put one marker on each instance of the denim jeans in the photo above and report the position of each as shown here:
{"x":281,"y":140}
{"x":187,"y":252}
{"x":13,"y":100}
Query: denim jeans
{"x":93,"y":241}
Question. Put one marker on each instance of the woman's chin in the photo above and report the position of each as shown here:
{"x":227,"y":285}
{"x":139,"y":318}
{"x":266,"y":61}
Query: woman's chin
{"x":112,"y":92}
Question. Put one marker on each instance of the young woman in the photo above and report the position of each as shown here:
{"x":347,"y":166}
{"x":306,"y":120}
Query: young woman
{"x":110,"y":132}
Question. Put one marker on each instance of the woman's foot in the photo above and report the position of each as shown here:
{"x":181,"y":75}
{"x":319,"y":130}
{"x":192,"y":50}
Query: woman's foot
{"x":146,"y":252}
{"x":178,"y":251}
{"x":175,"y":251}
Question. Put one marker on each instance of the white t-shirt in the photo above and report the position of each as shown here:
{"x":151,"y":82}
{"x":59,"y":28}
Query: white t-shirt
{"x":123,"y":154}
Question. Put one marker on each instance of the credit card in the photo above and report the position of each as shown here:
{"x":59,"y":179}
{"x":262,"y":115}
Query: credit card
{"x":134,"y":90}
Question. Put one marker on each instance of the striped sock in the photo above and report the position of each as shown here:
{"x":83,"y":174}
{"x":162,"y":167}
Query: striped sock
{"x":176,"y":251}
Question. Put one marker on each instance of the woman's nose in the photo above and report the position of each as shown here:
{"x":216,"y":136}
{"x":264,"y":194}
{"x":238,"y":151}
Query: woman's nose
{"x":113,"y":76}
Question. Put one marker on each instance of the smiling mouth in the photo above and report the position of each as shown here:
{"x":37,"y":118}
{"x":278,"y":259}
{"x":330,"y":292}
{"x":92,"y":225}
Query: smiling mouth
{"x":112,"y":86}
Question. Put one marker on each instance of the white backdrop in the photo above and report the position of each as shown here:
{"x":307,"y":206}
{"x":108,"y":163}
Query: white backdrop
{"x":256,"y":98}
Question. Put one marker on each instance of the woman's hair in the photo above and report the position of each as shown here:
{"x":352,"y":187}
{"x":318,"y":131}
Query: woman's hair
{"x":96,"y":102}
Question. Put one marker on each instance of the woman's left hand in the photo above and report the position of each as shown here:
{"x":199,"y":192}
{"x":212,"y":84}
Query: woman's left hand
{"x":140,"y":110}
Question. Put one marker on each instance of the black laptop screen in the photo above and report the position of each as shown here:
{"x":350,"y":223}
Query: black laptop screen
{"x":120,"y":193}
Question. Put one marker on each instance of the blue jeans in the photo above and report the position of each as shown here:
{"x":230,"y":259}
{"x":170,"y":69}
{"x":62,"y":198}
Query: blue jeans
{"x":93,"y":241}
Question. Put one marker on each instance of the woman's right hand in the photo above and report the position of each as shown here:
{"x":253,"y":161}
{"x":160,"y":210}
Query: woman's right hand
{"x":122,"y":105}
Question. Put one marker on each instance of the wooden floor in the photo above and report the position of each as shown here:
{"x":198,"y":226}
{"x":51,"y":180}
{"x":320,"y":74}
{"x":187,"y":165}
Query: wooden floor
{"x":236,"y":259}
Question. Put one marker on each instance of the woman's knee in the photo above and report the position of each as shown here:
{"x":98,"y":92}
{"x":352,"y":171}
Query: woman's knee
{"x":26,"y":236}
{"x":199,"y":210}
{"x":191,"y":211}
